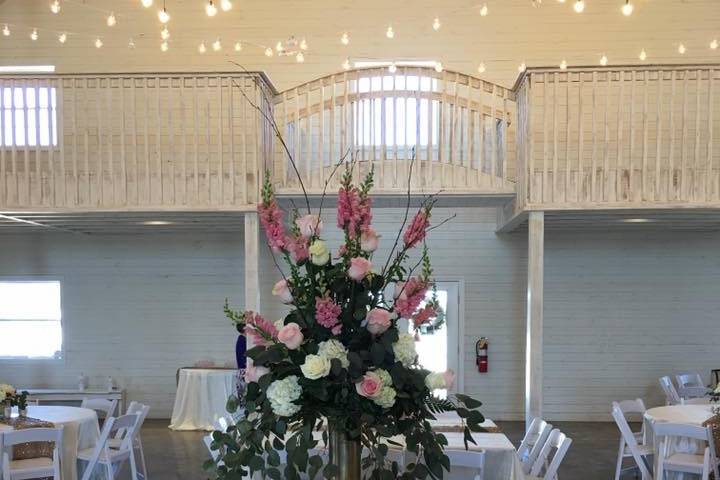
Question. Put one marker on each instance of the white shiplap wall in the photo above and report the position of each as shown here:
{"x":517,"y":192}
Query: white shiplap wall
{"x":134,"y":307}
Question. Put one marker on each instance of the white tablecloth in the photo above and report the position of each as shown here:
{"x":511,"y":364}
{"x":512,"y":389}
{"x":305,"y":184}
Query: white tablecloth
{"x":685,"y":414}
{"x":80,"y":430}
{"x":201,"y":398}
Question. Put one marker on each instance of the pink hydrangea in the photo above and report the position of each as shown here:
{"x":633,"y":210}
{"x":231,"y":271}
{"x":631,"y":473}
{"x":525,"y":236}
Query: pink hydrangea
{"x":415,"y":233}
{"x":408,"y":296}
{"x":298,"y":248}
{"x":327,"y":312}
{"x":271,"y":219}
{"x":262,"y":332}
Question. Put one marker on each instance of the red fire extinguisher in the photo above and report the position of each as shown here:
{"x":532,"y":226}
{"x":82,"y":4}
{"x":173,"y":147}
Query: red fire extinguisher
{"x":481,"y":354}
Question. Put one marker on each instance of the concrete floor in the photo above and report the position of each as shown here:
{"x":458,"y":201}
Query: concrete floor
{"x":179,"y":455}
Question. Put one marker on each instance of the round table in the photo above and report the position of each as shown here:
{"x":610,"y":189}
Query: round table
{"x":80,"y":431}
{"x":694,"y":415}
{"x":201,"y":397}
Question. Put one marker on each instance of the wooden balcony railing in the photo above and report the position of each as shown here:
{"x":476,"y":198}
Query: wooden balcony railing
{"x":458,"y":129}
{"x":169,"y":141}
{"x":618,"y":137}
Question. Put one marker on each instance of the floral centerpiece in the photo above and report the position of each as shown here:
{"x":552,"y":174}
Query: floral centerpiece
{"x":7,"y":398}
{"x":338,"y":364}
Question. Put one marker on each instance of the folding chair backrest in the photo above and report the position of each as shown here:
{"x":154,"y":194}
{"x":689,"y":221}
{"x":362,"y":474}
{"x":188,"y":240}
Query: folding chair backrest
{"x":101,"y":405}
{"x":536,"y":426}
{"x":665,"y":431}
{"x":32,"y":435}
{"x":556,"y":447}
{"x":547,"y":428}
{"x":138,"y":409}
{"x":630,"y":440}
{"x":671,"y":395}
{"x":473,"y":460}
{"x":689,"y":380}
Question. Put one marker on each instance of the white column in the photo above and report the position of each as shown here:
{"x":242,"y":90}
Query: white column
{"x":252,"y":264}
{"x":534,"y":329}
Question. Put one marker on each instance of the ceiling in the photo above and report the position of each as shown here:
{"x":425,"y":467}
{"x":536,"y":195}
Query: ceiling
{"x":512,"y":32}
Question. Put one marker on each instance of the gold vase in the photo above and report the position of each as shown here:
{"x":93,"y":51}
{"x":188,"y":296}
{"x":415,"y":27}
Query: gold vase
{"x":345,"y":453}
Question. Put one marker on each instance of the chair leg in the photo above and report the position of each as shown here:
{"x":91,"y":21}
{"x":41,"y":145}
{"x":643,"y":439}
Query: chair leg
{"x":142,"y":459}
{"x":621,"y":451}
{"x":133,"y":466}
{"x":109,"y":470}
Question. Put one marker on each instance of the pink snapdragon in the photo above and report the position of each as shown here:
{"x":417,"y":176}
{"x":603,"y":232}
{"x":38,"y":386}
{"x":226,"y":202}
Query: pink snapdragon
{"x":298,"y":248}
{"x":262,"y":332}
{"x":349,"y":215}
{"x":327,"y":312}
{"x":408,"y":296}
{"x":417,"y":230}
{"x":424,"y":315}
{"x":271,"y":219}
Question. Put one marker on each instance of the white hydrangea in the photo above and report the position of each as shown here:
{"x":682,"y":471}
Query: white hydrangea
{"x":404,"y":349}
{"x":7,"y":389}
{"x":282,"y":394}
{"x":334,"y":349}
{"x":315,"y":366}
{"x":2,"y":396}
{"x":386,"y":399}
{"x":384,"y":376}
{"x":279,"y":323}
{"x":434,"y":381}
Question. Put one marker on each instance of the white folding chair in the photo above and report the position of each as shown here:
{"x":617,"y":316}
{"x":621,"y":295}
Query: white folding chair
{"x":533,"y":442}
{"x":689,"y":380}
{"x":104,"y":455}
{"x":469,"y":460}
{"x":701,"y":462}
{"x":104,"y":408}
{"x":34,"y":467}
{"x":671,"y":395}
{"x":629,"y":446}
{"x":555,"y":447}
{"x":141,"y":411}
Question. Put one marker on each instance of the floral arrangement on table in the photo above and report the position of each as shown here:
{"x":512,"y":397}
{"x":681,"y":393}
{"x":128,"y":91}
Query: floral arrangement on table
{"x":715,"y":399}
{"x":10,"y":397}
{"x":338,"y":360}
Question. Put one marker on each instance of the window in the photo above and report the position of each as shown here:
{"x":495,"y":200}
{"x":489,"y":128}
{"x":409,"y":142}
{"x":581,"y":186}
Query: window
{"x":28,"y":114}
{"x":30,"y":319}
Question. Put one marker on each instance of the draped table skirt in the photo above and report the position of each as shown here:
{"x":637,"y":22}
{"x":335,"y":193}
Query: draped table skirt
{"x":201,"y":397}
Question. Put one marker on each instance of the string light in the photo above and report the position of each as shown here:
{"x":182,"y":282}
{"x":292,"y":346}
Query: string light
{"x":579,"y":6}
{"x":438,"y":67}
{"x":392,"y":68}
{"x":563,"y":65}
{"x":484,"y":10}
{"x":303,"y":44}
{"x":643,"y":55}
{"x":131,"y":44}
{"x":300,"y":58}
{"x":98,"y":43}
{"x":522,"y":67}
{"x":346,"y":64}
{"x":34,"y":35}
{"x":164,"y":46}
{"x":163,"y":16}
{"x":603,"y":60}
{"x":111,"y":20}
{"x":279,"y":47}
{"x":225,"y":5}
{"x":146,"y":3}
{"x":216,"y":45}
{"x":390,"y":33}
{"x":62,"y":38}
{"x":6,"y":31}
{"x":345,"y":39}
{"x":481,"y":68}
{"x":238,"y":46}
{"x":202,"y":48}
{"x":714,"y":44}
{"x":165,"y":33}
{"x":210,"y":9}
{"x":436,"y":24}
{"x":55,"y":6}
{"x":269,"y":52}
{"x":561,"y":1}
{"x":681,"y":49}
{"x":628,"y":8}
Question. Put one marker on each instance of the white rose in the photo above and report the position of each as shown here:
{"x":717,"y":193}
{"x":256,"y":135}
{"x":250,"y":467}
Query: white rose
{"x":319,"y":253}
{"x":717,"y":390}
{"x":386,"y":399}
{"x":334,"y":349}
{"x":404,"y":349}
{"x":8,"y":389}
{"x":282,"y":394}
{"x":435,"y":381}
{"x":315,"y":366}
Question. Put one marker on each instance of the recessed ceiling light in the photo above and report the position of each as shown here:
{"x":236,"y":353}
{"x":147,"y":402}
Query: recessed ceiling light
{"x":637,"y":220}
{"x":156,"y":223}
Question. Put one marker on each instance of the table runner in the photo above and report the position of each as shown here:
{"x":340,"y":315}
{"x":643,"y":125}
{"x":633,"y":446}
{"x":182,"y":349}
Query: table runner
{"x":26,"y":451}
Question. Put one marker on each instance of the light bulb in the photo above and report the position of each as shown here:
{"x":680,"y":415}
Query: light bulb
{"x":436,"y":24}
{"x":6,"y":30}
{"x":165,"y":33}
{"x":643,"y":55}
{"x":484,"y":10}
{"x":390,"y":33}
{"x":202,"y":48}
{"x":682,"y":49}
{"x":164,"y":46}
{"x":34,"y":34}
{"x":345,"y":39}
{"x":481,"y":68}
{"x":62,"y":38}
{"x":561,"y":1}
{"x":111,"y":20}
{"x":392,"y":68}
{"x":438,"y":67}
{"x":238,"y":46}
{"x":300,"y":58}
{"x":522,"y":67}
{"x":346,"y":64}
{"x":579,"y":6}
{"x":217,"y":46}
{"x":268,"y":52}
{"x":714,"y":44}
{"x":55,"y":6}
{"x":563,"y":65}
{"x":225,"y":5}
{"x":131,"y":44}
{"x":279,"y":47}
{"x":210,"y":9}
{"x":628,"y":8}
{"x":603,"y":60}
{"x":303,"y":44}
{"x":98,"y":43}
{"x":146,"y":3}
{"x":163,"y":16}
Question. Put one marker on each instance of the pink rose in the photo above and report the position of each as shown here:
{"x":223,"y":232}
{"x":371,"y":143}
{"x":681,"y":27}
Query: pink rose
{"x":449,"y":377}
{"x":369,"y":240}
{"x":359,"y":268}
{"x":378,"y":321}
{"x":253,"y":373}
{"x":309,"y":225}
{"x":370,"y":385}
{"x":281,"y":289}
{"x":291,"y":336}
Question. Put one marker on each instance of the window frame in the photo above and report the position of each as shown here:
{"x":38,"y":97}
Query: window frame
{"x":34,"y":85}
{"x":59,"y":359}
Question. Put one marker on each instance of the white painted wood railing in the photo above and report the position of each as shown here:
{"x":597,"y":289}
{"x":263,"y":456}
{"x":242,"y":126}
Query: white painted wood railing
{"x":457,"y":127}
{"x":166,"y":141}
{"x":621,"y":136}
